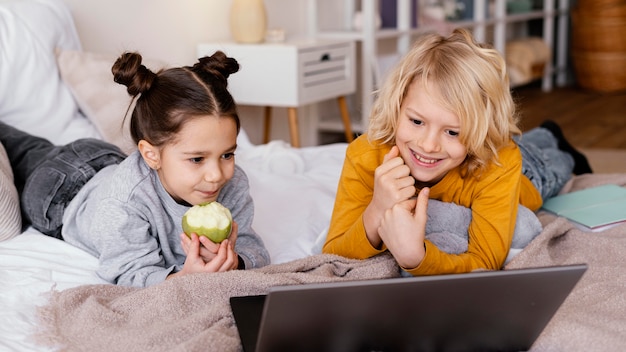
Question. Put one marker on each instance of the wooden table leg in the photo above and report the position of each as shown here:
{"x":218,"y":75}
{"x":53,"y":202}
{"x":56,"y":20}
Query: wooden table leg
{"x":267,"y":124}
{"x":345,"y":116}
{"x":293,"y":127}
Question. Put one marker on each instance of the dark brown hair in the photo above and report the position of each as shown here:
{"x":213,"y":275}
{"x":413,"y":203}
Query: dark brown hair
{"x":168,"y":98}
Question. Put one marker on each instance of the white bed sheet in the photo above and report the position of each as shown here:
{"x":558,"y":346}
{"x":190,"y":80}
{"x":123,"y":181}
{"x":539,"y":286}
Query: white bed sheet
{"x":31,"y":265}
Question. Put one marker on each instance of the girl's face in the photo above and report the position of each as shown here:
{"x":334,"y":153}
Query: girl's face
{"x":428,"y":136}
{"x":198,"y":164}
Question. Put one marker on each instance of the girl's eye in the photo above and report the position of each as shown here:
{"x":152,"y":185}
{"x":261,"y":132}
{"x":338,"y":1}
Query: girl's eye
{"x":453,"y":133}
{"x":196,"y":160}
{"x":228,"y":156}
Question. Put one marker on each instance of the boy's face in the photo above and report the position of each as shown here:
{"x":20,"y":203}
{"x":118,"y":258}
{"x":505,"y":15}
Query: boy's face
{"x":195,"y":167}
{"x":428,"y":136}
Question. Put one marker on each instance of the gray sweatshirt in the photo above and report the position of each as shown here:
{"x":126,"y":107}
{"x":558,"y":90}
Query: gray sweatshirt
{"x":125,"y":218}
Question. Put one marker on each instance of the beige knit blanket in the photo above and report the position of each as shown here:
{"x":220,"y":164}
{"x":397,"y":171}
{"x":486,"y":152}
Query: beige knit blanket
{"x":593,"y":317}
{"x":193,"y":314}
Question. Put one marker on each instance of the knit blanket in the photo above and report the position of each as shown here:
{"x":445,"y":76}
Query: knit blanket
{"x":192,"y":313}
{"x":593,"y":317}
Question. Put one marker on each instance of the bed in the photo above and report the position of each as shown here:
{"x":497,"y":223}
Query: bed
{"x":51,"y":299}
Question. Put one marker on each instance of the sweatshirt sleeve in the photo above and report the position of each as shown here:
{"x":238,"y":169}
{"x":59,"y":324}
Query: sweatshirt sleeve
{"x":346,"y":234}
{"x":130,"y":254}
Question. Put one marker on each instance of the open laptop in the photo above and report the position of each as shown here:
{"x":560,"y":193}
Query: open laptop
{"x":502,"y":310}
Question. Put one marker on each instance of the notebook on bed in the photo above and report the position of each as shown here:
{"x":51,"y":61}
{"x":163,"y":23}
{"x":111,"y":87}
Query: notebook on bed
{"x":490,"y":310}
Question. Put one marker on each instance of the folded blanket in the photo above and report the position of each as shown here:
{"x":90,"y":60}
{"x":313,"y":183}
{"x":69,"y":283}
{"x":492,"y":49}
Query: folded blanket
{"x":192,"y":313}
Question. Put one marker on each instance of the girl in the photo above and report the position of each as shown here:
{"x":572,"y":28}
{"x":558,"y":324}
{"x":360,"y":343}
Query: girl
{"x":444,"y":125}
{"x":127,"y":211}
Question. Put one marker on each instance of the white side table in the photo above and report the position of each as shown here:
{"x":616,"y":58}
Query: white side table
{"x":291,"y":75}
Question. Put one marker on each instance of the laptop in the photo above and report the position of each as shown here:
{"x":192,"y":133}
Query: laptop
{"x":502,"y":310}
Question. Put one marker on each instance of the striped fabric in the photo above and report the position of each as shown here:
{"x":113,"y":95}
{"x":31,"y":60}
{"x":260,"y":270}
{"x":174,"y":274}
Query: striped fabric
{"x":10,"y":217}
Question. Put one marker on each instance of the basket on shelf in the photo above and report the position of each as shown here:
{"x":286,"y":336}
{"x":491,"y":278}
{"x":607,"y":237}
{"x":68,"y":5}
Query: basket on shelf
{"x":599,"y":44}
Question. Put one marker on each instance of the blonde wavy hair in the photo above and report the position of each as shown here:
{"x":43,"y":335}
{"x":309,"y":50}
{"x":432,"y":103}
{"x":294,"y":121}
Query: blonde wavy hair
{"x":470,"y":80}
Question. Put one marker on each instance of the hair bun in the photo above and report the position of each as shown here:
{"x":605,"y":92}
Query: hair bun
{"x":129,"y":71}
{"x":218,"y":64}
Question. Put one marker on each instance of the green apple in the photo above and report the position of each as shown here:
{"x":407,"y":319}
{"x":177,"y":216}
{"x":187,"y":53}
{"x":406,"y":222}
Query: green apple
{"x":211,"y":219}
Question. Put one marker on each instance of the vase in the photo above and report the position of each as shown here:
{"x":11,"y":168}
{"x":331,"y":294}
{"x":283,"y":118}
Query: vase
{"x":248,"y":21}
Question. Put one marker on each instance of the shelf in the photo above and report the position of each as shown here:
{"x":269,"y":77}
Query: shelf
{"x":385,"y":33}
{"x":485,"y":28}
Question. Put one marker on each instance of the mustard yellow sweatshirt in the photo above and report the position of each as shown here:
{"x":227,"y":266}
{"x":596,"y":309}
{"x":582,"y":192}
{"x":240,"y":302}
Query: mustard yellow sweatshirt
{"x":493,"y":199}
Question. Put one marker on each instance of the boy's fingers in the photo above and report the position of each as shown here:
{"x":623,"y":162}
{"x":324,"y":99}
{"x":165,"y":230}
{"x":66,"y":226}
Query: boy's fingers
{"x":421,"y":206}
{"x":392,"y":153}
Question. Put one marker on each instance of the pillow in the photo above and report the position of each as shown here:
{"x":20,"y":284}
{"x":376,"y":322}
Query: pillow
{"x":10,"y":217}
{"x":34,"y":99}
{"x":101,"y":100}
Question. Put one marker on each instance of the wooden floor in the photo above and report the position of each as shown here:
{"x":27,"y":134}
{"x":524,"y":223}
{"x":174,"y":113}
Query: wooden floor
{"x":589,"y":120}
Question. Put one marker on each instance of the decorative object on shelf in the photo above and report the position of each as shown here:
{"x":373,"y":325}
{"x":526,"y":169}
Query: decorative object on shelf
{"x":526,"y":59}
{"x":437,"y":14}
{"x":389,"y":12}
{"x":248,"y":21}
{"x":275,"y":35}
{"x":519,"y":6}
{"x":357,"y":21}
{"x":599,"y":44}
{"x":448,"y":10}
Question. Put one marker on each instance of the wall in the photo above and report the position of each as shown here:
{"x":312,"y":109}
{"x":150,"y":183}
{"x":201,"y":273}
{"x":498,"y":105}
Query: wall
{"x":169,"y":30}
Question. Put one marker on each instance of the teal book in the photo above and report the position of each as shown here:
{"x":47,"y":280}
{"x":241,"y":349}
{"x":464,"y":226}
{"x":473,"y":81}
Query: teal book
{"x":595,"y":208}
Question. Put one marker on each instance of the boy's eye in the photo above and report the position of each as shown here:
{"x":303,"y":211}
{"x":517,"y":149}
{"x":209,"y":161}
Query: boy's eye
{"x":228,"y":156}
{"x":196,"y":160}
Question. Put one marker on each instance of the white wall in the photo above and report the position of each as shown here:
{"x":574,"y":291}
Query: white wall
{"x":169,"y":30}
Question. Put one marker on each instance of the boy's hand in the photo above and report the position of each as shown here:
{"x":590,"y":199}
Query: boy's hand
{"x":393,"y":184}
{"x":403,"y":229}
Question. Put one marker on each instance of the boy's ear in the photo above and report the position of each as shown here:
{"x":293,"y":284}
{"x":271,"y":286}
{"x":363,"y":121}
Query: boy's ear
{"x":151,"y":154}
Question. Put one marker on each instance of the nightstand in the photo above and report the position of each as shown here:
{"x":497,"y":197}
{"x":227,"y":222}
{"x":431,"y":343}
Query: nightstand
{"x":291,"y":75}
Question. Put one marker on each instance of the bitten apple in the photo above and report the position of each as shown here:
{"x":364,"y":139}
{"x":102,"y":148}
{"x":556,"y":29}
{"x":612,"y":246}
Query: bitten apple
{"x":211,"y":219}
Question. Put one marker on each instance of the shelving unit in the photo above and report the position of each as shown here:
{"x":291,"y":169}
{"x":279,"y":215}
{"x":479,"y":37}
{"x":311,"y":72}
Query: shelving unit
{"x":368,"y":37}
{"x":550,"y":14}
{"x":485,"y":28}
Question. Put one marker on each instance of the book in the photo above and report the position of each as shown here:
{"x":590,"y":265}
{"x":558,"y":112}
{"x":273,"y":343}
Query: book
{"x":595,"y":208}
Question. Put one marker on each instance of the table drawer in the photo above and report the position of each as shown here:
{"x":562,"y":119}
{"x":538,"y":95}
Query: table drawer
{"x":326,"y":71}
